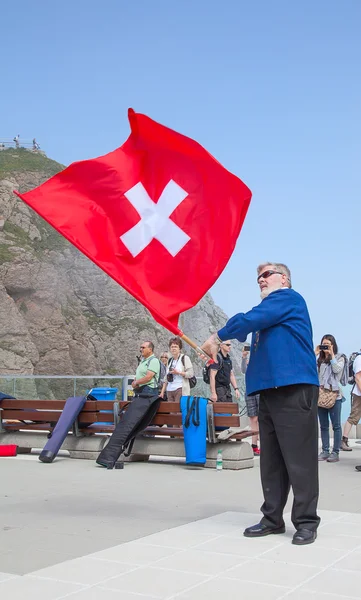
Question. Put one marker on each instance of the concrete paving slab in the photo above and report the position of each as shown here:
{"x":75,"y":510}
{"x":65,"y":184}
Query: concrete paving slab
{"x":5,"y":576}
{"x":99,"y":593}
{"x":181,"y":563}
{"x":85,"y":571}
{"x":32,"y":588}
{"x":157,"y":522}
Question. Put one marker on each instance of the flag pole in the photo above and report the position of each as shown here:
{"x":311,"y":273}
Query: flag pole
{"x":195,"y":346}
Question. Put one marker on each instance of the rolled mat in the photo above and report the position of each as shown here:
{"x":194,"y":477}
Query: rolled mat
{"x":9,"y":450}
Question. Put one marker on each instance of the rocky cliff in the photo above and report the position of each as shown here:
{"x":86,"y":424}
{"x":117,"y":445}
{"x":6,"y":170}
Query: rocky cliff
{"x":59,"y":313}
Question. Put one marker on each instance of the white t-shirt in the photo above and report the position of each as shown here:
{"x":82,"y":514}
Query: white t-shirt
{"x":357,"y":369}
{"x":177,"y":379}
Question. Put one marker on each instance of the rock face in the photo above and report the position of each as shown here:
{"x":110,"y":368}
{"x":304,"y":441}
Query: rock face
{"x":59,"y":313}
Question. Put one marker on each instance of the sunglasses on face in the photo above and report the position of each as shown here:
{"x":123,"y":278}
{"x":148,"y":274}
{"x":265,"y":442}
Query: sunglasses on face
{"x":229,"y":345}
{"x":267,"y":274}
{"x":143,"y":347}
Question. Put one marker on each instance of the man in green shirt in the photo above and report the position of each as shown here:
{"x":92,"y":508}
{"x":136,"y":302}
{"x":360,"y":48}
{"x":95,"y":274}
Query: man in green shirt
{"x":147,"y":373}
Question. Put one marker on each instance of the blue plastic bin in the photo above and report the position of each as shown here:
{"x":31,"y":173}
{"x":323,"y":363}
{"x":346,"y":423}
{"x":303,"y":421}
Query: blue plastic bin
{"x":104,"y":393}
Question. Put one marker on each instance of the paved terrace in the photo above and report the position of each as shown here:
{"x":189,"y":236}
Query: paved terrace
{"x":72,"y":530}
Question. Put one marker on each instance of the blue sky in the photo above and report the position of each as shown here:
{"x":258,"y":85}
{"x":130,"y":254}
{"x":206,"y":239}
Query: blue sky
{"x":271,"y":88}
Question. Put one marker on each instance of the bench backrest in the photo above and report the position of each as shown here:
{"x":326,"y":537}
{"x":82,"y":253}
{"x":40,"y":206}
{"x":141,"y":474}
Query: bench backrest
{"x":47,"y":412}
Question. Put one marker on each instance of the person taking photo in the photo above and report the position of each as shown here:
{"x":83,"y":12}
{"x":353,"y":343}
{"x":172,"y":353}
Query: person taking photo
{"x":330,"y":365}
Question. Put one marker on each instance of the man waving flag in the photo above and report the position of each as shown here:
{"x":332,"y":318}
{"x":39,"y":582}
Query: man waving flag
{"x":159,"y":215}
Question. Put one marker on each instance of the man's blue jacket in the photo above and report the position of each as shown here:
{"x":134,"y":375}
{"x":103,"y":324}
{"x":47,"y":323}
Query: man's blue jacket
{"x":282,"y":350}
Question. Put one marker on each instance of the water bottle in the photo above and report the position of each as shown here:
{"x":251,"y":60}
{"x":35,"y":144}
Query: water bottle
{"x":219,"y":461}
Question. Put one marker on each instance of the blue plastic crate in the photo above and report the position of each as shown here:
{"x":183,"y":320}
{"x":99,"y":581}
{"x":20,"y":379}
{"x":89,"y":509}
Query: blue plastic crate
{"x":104,"y":393}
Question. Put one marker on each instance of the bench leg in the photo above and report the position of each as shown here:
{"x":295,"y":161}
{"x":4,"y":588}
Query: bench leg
{"x":236,"y":455}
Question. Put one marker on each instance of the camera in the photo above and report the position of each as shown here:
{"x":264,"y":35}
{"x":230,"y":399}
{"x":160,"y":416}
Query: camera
{"x":324,"y":347}
{"x":170,"y":377}
{"x":246,"y":348}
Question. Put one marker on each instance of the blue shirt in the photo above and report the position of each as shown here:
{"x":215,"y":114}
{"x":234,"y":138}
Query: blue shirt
{"x":282,"y":350}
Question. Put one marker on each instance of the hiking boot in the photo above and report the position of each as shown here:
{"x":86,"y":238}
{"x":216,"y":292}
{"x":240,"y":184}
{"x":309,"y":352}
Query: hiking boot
{"x":323,"y":455}
{"x":334,"y":457}
{"x":344,"y":444}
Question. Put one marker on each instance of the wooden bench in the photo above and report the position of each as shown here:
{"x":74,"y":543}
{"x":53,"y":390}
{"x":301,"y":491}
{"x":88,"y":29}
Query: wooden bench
{"x":27,"y":423}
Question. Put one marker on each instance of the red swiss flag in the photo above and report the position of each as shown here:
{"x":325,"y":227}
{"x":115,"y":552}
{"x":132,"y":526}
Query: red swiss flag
{"x":159,"y":215}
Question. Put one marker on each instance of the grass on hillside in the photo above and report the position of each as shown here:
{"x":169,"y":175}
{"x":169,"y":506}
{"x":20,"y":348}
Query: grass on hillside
{"x":13,"y":160}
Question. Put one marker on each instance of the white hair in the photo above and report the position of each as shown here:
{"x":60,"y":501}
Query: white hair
{"x":278,"y":267}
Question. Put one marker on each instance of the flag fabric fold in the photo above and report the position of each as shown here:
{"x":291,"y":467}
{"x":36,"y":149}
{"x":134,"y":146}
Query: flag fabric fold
{"x":159,"y":215}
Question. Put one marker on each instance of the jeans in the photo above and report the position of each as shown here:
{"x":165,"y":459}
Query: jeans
{"x":335,"y":416}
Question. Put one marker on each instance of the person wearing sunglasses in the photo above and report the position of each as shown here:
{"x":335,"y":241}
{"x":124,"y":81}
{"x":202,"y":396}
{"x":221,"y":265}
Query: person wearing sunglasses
{"x":282,"y":369}
{"x":221,"y":376}
{"x":164,"y":358}
{"x":147,"y":374}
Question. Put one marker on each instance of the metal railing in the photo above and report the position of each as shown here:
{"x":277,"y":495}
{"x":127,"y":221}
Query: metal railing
{"x":21,"y":145}
{"x":55,"y":387}
{"x":10,"y":143}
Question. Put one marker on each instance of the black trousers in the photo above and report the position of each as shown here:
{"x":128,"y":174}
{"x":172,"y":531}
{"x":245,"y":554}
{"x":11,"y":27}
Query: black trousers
{"x":288,"y":430}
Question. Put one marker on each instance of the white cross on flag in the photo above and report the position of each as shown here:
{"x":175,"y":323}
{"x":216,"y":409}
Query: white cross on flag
{"x":160,"y":215}
{"x":155,"y":222}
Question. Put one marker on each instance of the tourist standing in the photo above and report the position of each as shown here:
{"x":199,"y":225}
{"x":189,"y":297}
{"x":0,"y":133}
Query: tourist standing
{"x":282,"y":369}
{"x":330,"y":366}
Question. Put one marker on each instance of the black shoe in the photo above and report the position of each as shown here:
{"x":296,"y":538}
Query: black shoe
{"x":358,"y":467}
{"x":260,"y":530}
{"x":304,"y":536}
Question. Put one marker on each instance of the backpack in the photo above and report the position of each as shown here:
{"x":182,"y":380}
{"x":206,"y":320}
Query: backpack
{"x":345,"y":372}
{"x":162,"y":373}
{"x":351,"y":374}
{"x":192,"y":380}
{"x":206,"y":368}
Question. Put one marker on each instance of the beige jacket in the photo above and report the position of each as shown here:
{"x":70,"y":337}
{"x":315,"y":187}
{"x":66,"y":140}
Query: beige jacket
{"x":189,"y":372}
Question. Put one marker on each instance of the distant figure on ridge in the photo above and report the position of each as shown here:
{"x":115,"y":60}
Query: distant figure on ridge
{"x":16,"y":140}
{"x":35,"y":145}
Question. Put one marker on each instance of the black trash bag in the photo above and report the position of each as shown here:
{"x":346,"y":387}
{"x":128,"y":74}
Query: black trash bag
{"x":139,"y":413}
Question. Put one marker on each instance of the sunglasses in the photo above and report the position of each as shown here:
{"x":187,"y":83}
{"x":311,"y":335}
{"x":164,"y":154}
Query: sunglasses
{"x":227,"y":345}
{"x":267,"y":274}
{"x":143,"y":347}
